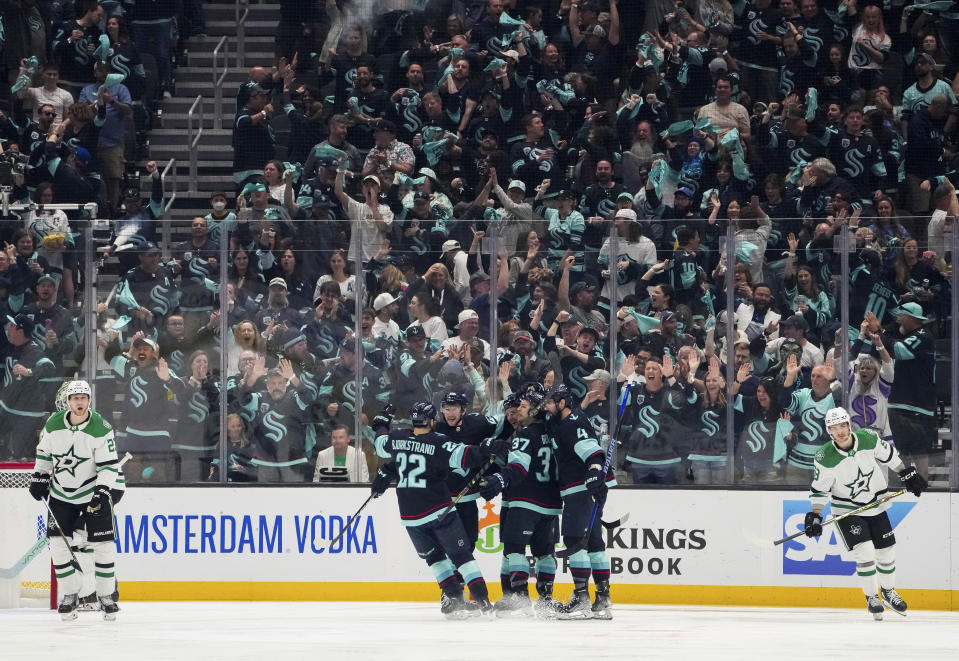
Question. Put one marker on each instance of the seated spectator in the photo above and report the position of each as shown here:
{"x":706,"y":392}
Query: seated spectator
{"x":341,"y":462}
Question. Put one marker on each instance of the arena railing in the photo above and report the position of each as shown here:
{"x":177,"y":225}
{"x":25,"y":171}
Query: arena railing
{"x":218,"y":79}
{"x":193,"y":136}
{"x":241,"y":31}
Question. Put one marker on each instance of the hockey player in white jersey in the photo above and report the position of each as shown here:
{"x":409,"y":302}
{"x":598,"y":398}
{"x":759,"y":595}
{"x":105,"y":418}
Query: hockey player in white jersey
{"x":850,"y":471}
{"x":76,"y":467}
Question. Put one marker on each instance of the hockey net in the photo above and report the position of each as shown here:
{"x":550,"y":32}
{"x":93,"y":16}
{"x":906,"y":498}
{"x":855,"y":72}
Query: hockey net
{"x":24,"y":523}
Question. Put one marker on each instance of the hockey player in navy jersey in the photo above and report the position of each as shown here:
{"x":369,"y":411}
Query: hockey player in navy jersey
{"x":421,"y":461}
{"x":582,"y":483}
{"x":530,"y":510}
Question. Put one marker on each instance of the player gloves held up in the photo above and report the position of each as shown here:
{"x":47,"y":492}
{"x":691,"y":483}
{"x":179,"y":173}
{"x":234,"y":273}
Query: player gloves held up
{"x":493,"y":485}
{"x":384,"y":417}
{"x":596,"y":484}
{"x":40,"y":486}
{"x":813,"y":524}
{"x":494,"y":446}
{"x":911,"y":479}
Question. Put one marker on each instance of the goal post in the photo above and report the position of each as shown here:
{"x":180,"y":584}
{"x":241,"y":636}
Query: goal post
{"x":26,"y":570}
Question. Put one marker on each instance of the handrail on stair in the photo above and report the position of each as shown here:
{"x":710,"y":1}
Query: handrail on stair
{"x":170,"y":170}
{"x":218,"y":80}
{"x":192,"y":141}
{"x":241,"y":32}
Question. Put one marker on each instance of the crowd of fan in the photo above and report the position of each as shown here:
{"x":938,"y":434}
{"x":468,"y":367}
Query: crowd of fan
{"x":431,"y":151}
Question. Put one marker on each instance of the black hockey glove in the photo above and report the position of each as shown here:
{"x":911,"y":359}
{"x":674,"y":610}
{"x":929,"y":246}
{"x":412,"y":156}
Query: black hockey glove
{"x":813,"y":524}
{"x":381,"y":482}
{"x":40,"y":486}
{"x":596,"y":484}
{"x":492,"y":485}
{"x":101,"y":500}
{"x":494,"y":446}
{"x":384,"y":417}
{"x":912,"y":480}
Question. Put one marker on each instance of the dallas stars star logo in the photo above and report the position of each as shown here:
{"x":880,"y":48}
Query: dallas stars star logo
{"x":860,"y":484}
{"x":68,"y":462}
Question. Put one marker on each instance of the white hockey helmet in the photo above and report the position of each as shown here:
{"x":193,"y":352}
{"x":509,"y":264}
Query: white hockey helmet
{"x":836,"y":416}
{"x":72,"y":388}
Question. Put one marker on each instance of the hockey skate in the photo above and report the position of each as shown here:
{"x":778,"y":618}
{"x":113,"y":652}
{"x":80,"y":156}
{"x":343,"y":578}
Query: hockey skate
{"x":602,"y":605}
{"x":109,"y":608}
{"x":875,"y":607}
{"x":481,"y":607}
{"x":892,"y":599}
{"x":455,"y":607}
{"x":579,"y":606}
{"x":513,"y":604}
{"x":68,"y":607}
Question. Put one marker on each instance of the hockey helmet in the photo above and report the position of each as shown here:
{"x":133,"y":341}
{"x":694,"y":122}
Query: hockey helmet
{"x":535,"y":397}
{"x":421,"y":413}
{"x":561,"y":392}
{"x":836,"y":416}
{"x":71,"y":388}
{"x":455,"y":398}
{"x":512,"y":401}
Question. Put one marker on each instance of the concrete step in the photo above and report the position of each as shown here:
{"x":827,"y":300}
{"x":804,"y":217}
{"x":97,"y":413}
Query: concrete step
{"x":255,"y":28}
{"x":180,"y":105}
{"x":170,"y":136}
{"x":226,"y":11}
{"x":234,"y":77}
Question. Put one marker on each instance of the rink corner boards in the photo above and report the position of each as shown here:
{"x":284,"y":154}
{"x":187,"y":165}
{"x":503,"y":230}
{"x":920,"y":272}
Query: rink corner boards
{"x":672,"y":595}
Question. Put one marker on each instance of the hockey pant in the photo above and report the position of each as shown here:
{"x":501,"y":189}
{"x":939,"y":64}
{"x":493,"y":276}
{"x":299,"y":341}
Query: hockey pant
{"x":520,"y":527}
{"x":873,"y":545}
{"x":443,"y":544}
{"x":577,"y":510}
{"x":68,"y":522}
{"x":90,"y":579}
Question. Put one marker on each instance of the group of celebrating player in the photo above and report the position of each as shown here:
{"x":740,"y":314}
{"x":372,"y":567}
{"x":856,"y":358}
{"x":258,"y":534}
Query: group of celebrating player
{"x":542,"y":457}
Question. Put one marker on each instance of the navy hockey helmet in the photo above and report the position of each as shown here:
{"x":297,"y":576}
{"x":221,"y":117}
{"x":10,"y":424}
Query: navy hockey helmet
{"x":535,"y":394}
{"x":421,"y":413}
{"x":512,"y":400}
{"x":561,"y":392}
{"x":455,"y":398}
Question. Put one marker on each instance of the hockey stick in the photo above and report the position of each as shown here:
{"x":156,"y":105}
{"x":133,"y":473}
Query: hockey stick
{"x":25,"y":560}
{"x":480,"y":474}
{"x":568,"y":551}
{"x":834,"y":519}
{"x":350,"y":521}
{"x":615,"y":523}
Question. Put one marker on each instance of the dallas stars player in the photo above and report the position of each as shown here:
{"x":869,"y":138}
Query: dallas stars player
{"x":850,"y":471}
{"x":76,"y":466}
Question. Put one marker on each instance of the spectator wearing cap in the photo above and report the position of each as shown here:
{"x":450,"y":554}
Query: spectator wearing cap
{"x":593,"y":48}
{"x":926,"y":139}
{"x":147,"y":383}
{"x":455,"y":258}
{"x":253,"y":142}
{"x":281,"y":419}
{"x":437,"y":284}
{"x":277,"y":311}
{"x":385,"y":307}
{"x":794,"y":328}
{"x":636,"y":252}
{"x":467,"y":328}
{"x":595,"y":403}
{"x":757,"y":314}
{"x":143,"y":215}
{"x":388,"y":156}
{"x":367,"y":106}
{"x":68,"y":165}
{"x":330,"y":323}
{"x":530,"y":363}
{"x":566,"y":230}
{"x":580,"y":299}
{"x":318,"y":191}
{"x":114,"y":113}
{"x":928,"y":85}
{"x":53,"y":325}
{"x":147,"y":293}
{"x":418,"y":368}
{"x":424,"y":230}
{"x":24,"y":395}
{"x":913,"y":398}
{"x":578,"y":354}
{"x":373,"y":219}
{"x":515,"y":213}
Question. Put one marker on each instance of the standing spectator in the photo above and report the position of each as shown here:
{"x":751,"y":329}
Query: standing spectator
{"x":49,"y":93}
{"x":113,"y":113}
{"x":151,"y":22}
{"x":253,"y":143}
{"x":367,"y":106}
{"x":388,"y":155}
{"x":870,"y":382}
{"x":23,"y":396}
{"x":24,"y":35}
{"x":373,"y":218}
{"x":912,"y":398}
{"x":197,"y":418}
{"x":924,"y":156}
{"x":74,"y":44}
{"x":870,"y":48}
{"x":808,"y":406}
{"x":534,"y":159}
{"x":724,"y":113}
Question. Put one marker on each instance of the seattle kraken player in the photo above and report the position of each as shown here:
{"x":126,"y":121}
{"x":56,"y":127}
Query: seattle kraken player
{"x":421,"y":461}
{"x":471,"y":429}
{"x":582,"y":482}
{"x":531,"y":508}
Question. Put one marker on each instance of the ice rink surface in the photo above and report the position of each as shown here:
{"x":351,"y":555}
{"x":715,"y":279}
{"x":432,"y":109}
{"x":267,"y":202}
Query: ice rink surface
{"x":272,"y":631}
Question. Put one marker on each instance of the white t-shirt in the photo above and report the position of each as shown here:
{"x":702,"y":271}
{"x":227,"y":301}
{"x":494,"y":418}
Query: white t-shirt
{"x":390,"y":328}
{"x":456,"y":343}
{"x":435,"y":329}
{"x":371,"y":236}
{"x":347,"y":287}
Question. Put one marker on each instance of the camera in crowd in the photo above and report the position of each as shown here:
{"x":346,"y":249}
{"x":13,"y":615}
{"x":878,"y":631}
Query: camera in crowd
{"x":12,"y":163}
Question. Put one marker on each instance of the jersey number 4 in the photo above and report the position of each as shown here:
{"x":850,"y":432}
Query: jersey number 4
{"x":411,"y":468}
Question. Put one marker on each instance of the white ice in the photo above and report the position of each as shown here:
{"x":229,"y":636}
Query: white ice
{"x":269,"y":631}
